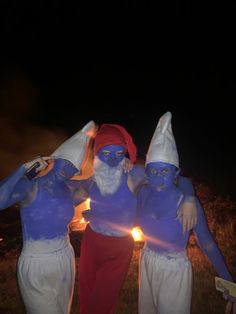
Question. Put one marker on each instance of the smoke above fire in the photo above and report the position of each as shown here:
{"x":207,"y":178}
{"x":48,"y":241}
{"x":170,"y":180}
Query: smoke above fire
{"x":20,"y":138}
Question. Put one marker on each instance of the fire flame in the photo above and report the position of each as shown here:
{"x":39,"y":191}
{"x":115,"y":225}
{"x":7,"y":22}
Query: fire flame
{"x":79,"y":223}
{"x":82,"y":220}
{"x":87,"y":203}
{"x":137,"y":234}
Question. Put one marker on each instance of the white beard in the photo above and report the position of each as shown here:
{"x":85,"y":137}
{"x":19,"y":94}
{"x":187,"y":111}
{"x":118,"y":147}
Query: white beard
{"x":107,"y":178}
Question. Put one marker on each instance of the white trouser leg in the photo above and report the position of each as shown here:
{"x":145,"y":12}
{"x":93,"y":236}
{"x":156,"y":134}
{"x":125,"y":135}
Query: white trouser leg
{"x":46,"y":281}
{"x":165,"y":283}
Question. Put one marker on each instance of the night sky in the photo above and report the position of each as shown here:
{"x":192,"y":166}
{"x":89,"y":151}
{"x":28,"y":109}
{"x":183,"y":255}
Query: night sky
{"x":57,"y":74}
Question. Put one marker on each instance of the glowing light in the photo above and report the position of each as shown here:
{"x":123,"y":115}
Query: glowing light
{"x":78,"y":222}
{"x":87,"y":203}
{"x":82,"y":220}
{"x":1,"y":239}
{"x":137,"y":234}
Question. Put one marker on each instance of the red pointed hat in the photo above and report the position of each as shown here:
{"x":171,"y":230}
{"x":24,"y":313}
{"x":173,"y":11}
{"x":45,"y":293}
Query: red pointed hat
{"x":114,"y":134}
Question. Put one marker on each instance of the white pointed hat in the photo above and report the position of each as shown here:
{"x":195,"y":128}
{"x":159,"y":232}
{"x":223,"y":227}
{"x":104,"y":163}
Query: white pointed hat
{"x":74,"y":149}
{"x":163,"y":147}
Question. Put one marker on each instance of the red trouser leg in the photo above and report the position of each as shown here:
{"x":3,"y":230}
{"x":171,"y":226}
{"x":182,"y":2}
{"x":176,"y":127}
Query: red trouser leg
{"x":104,"y":263}
{"x":87,"y":270}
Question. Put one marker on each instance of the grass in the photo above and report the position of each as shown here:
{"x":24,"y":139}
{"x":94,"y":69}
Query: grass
{"x":221,"y":215}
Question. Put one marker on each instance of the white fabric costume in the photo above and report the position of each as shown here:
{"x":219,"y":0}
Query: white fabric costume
{"x":46,"y":266}
{"x":165,"y":271}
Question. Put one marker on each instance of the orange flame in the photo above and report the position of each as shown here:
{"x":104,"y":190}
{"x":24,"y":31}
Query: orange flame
{"x":137,"y":234}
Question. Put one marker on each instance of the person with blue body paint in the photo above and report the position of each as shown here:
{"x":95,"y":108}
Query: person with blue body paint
{"x":46,"y":265}
{"x":107,"y":244}
{"x":165,"y":271}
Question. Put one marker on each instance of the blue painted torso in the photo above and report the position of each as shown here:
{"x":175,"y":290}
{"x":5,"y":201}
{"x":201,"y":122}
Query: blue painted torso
{"x":46,"y":205}
{"x":157,"y":219}
{"x":48,"y":216}
{"x":163,"y":233}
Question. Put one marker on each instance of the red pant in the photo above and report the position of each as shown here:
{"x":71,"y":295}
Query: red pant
{"x":104,"y":263}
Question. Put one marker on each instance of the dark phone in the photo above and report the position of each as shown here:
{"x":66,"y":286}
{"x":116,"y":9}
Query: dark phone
{"x":31,"y":172}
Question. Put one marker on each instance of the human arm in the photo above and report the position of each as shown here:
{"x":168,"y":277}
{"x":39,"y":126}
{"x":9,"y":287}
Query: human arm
{"x":136,"y":178}
{"x":230,"y":307}
{"x":128,"y":165}
{"x":35,"y":166}
{"x":210,"y":248}
{"x":231,"y":302}
{"x":187,"y":213}
{"x":79,"y":189}
{"x":208,"y":244}
{"x":14,"y":187}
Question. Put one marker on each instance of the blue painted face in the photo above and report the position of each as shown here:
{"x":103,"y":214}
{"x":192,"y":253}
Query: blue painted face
{"x":161,"y":175}
{"x":111,"y":154}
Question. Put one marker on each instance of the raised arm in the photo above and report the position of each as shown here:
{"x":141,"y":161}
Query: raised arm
{"x":14,"y":188}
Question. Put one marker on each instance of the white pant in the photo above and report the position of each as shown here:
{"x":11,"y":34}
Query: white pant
{"x":165,"y":283}
{"x":46,"y":280}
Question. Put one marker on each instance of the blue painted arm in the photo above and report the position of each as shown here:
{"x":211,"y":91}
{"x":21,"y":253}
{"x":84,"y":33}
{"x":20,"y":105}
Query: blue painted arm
{"x":208,"y":244}
{"x":79,"y":190}
{"x":186,"y":186}
{"x":14,"y":188}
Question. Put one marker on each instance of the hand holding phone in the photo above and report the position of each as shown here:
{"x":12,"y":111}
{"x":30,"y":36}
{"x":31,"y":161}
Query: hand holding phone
{"x":34,"y":166}
{"x":225,"y":286}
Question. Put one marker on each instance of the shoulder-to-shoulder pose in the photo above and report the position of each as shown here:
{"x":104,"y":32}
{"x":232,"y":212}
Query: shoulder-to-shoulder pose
{"x":107,"y":244}
{"x":165,"y":271}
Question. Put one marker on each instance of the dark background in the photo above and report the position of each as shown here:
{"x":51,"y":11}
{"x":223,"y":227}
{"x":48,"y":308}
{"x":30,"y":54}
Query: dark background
{"x":62,"y":65}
